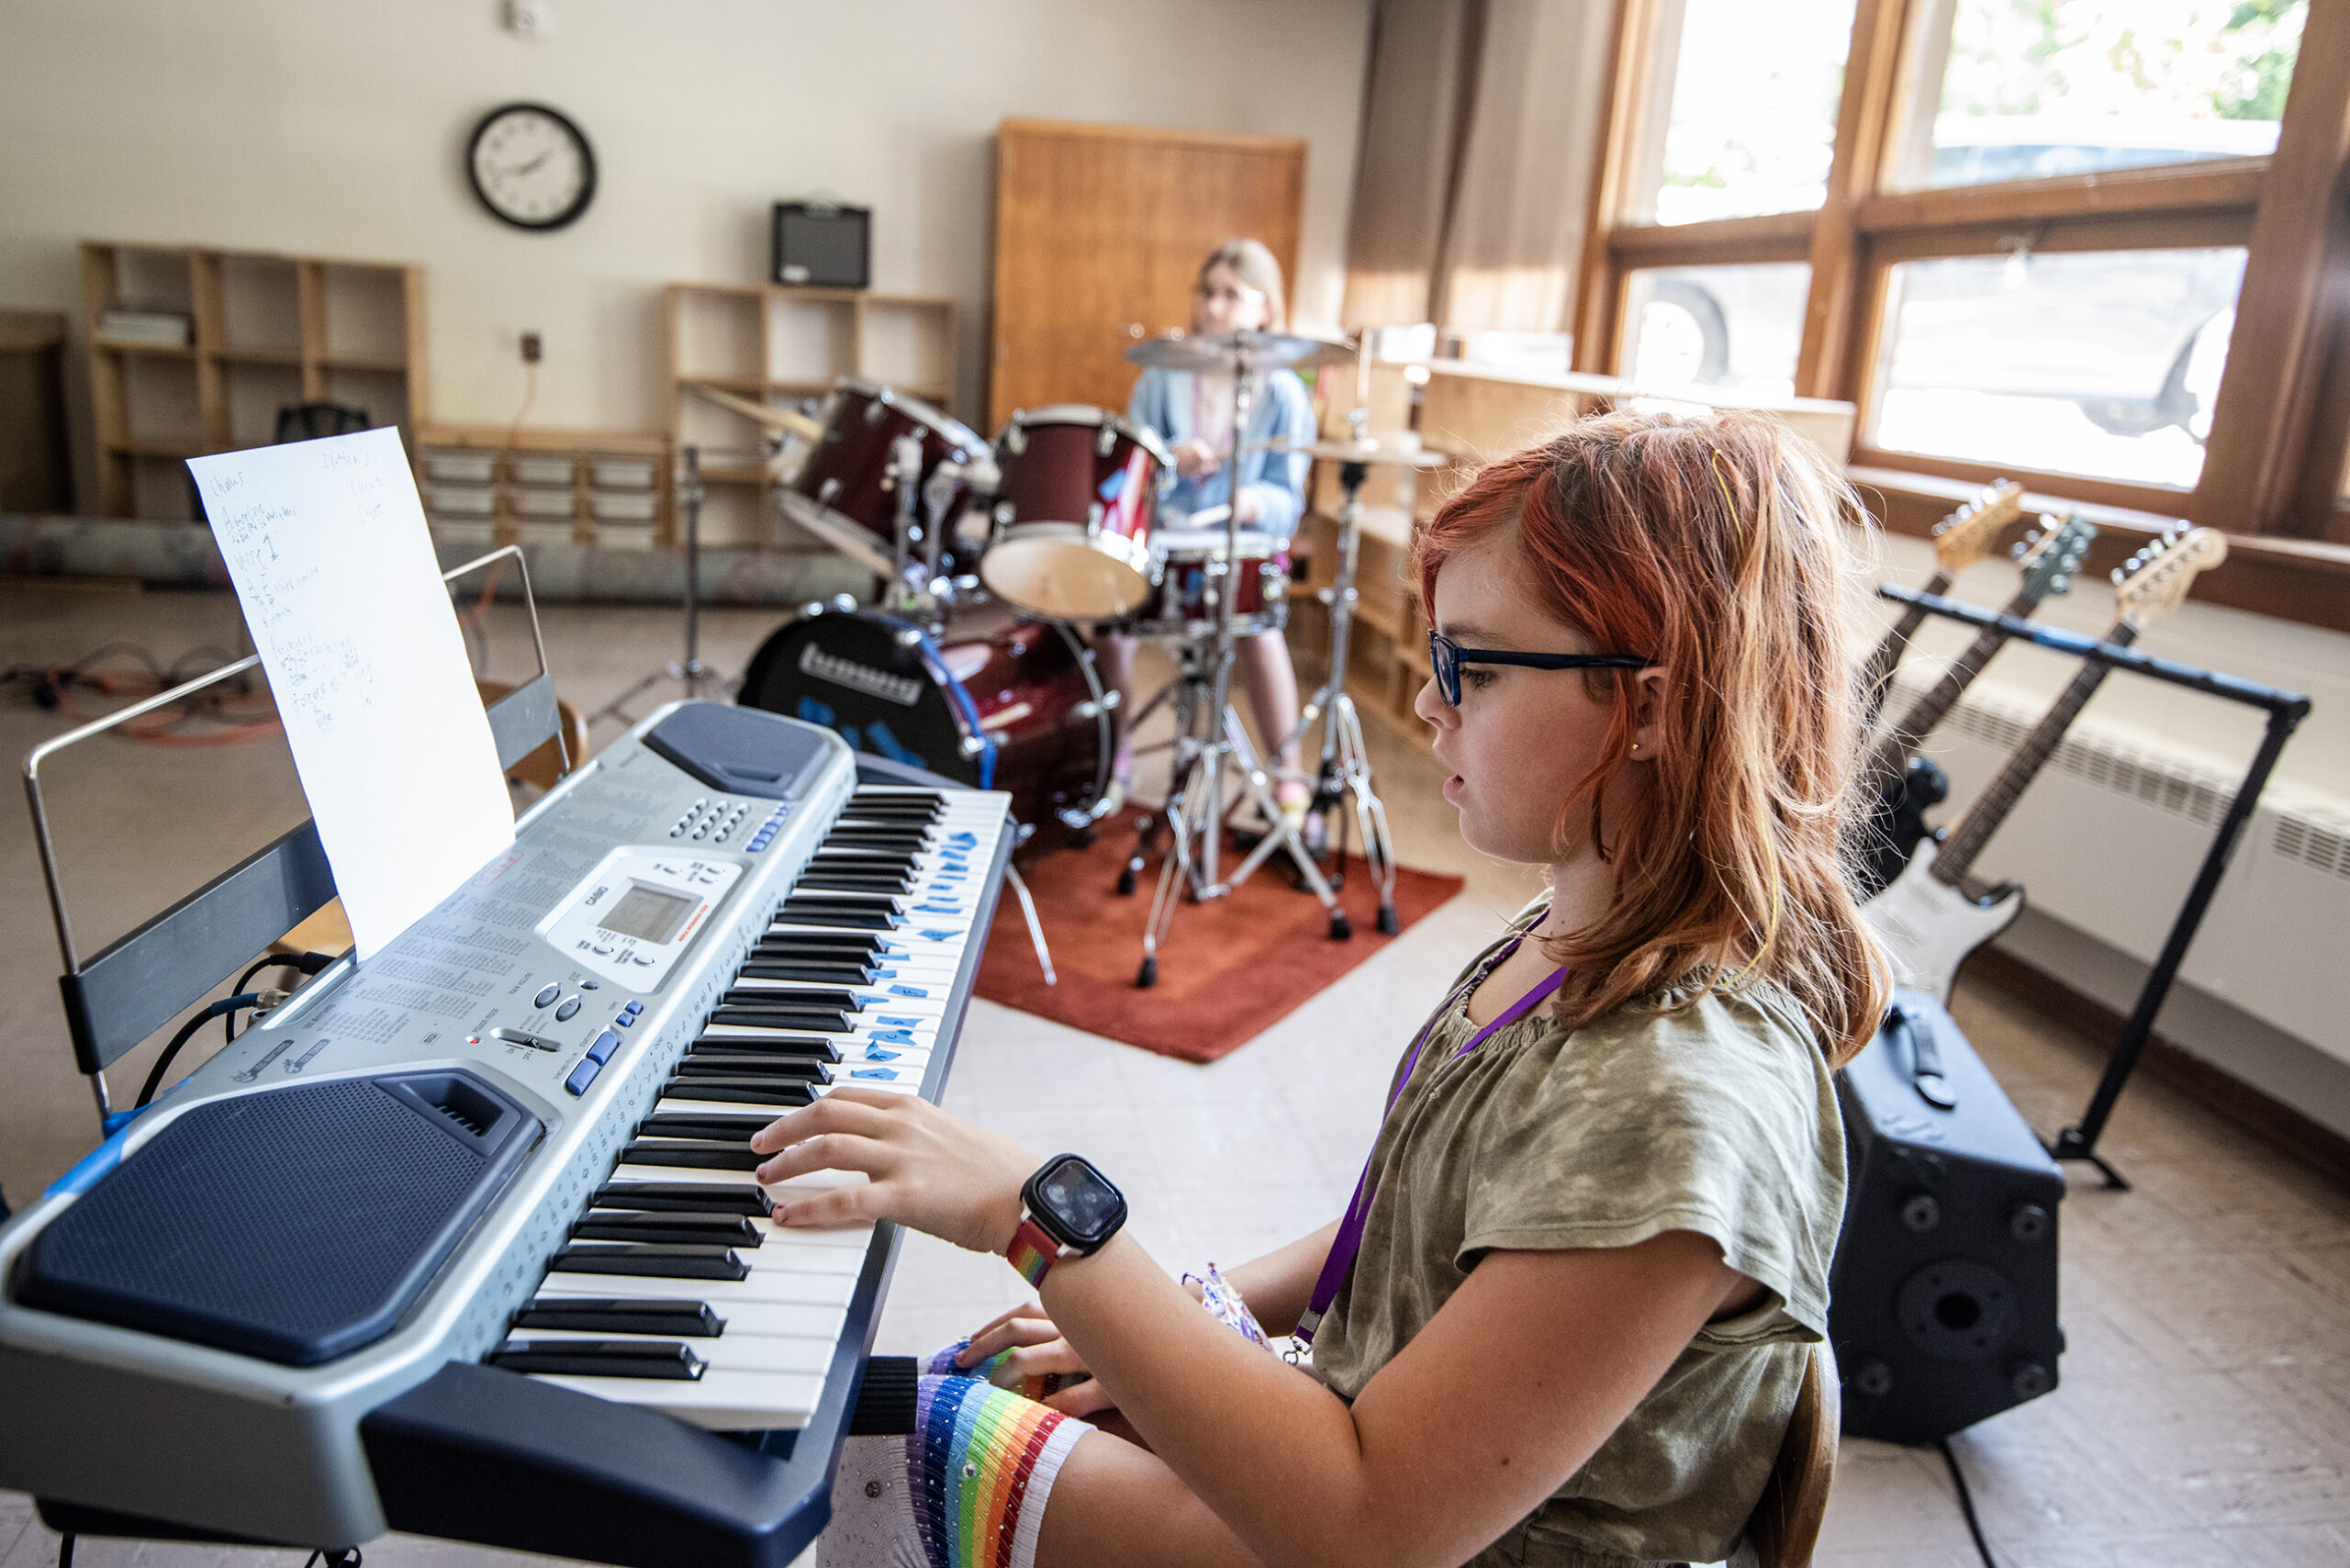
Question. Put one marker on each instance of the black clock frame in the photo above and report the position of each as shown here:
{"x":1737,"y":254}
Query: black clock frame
{"x":586,"y":158}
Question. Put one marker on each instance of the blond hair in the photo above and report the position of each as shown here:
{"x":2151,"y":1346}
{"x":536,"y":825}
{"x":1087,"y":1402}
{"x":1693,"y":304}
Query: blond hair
{"x":1254,"y":265}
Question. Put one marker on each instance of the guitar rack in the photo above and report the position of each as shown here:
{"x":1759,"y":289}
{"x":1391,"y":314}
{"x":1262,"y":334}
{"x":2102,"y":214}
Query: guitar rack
{"x":2286,"y":709}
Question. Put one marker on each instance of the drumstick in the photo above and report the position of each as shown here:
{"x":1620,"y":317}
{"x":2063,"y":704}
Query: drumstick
{"x":789,"y":421}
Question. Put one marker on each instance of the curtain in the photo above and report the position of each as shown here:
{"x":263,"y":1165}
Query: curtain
{"x":1480,"y":121}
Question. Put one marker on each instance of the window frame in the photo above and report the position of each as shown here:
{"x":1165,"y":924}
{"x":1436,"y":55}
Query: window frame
{"x":2275,"y":463}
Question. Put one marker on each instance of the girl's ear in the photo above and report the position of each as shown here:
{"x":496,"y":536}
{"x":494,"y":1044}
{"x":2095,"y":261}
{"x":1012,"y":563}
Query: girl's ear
{"x":1648,"y":707}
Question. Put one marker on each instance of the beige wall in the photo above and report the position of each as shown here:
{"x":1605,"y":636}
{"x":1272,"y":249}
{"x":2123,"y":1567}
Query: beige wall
{"x":336,"y":127}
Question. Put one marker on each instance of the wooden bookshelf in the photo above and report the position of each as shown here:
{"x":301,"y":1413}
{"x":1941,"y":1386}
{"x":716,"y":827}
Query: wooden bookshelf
{"x":786,"y":347}
{"x":264,"y":330}
{"x":489,"y":484}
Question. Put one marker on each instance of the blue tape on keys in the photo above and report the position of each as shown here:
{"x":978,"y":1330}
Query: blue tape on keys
{"x":908,"y":990}
{"x":874,"y":1072}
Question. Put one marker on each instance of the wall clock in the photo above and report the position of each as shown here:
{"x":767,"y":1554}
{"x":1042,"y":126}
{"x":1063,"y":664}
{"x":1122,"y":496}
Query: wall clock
{"x":530,"y":166}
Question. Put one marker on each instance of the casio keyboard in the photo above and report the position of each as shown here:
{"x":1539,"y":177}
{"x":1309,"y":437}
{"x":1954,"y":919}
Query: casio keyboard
{"x":465,"y":1241}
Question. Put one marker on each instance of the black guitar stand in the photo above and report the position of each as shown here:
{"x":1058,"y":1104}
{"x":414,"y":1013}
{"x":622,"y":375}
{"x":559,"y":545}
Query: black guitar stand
{"x":2286,"y":709}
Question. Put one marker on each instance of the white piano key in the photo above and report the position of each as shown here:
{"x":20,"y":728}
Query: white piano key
{"x":804,"y":1287}
{"x":721,"y":1400}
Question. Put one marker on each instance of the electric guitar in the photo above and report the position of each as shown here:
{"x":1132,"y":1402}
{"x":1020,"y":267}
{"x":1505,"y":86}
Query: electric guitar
{"x":1928,"y":919}
{"x":1962,"y":538}
{"x":1896,"y":787}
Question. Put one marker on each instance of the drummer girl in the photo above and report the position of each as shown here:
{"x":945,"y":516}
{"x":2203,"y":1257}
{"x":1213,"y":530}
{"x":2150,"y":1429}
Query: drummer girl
{"x":1239,"y":287}
{"x":1566,"y":1319}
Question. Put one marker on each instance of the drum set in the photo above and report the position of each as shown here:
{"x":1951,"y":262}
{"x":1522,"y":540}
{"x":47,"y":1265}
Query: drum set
{"x":997,"y":563}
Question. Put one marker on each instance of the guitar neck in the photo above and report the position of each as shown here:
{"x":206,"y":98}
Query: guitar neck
{"x":1957,"y":854}
{"x":1894,"y":747}
{"x":1876,"y":676}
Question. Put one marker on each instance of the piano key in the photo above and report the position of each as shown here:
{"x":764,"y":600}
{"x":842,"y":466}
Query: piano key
{"x":767,"y":1042}
{"x":807,"y":971}
{"x":719,"y":1401}
{"x":744,"y":1064}
{"x":837,"y":882}
{"x":810,"y":1285}
{"x":682,"y":1191}
{"x":707,"y":1229}
{"x":662,"y":1260}
{"x":609,"y":1314}
{"x":735,"y":1092}
{"x":844,"y":920}
{"x":710,"y":1126}
{"x":773,"y":993}
{"x":666,"y":1359}
{"x":690,"y":1155}
{"x":736,"y":1351}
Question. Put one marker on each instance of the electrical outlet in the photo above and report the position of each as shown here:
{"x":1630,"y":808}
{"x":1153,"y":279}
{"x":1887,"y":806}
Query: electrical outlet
{"x":530,"y":348}
{"x":529,"y":18}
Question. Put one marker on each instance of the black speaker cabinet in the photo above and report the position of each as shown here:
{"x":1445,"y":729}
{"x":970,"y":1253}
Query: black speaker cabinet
{"x":818,"y":244}
{"x":1942,"y":1305}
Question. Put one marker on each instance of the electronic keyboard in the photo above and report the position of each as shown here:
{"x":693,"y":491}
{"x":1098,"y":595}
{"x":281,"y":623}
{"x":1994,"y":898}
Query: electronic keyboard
{"x":465,"y":1239}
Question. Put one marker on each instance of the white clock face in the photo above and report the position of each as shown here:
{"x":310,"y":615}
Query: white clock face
{"x":531,"y":167}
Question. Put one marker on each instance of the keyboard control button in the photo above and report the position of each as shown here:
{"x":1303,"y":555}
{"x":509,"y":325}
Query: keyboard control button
{"x":568,"y":1011}
{"x":549,"y":994}
{"x":606,"y":1044}
{"x":583,"y":1075}
{"x":633,"y":1008}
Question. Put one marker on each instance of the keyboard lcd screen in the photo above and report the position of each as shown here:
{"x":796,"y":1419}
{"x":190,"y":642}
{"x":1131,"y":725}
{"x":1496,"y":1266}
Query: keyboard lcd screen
{"x":649,"y":914}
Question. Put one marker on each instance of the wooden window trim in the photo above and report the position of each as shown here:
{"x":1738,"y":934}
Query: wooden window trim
{"x":2222,"y":185}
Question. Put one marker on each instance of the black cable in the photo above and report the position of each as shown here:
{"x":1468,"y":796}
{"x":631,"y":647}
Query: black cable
{"x":221,"y":1008}
{"x":65,"y":1549}
{"x":1966,"y":1503}
{"x":305,"y":964}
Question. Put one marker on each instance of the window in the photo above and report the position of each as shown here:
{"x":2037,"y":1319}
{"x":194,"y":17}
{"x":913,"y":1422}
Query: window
{"x":2028,"y":89}
{"x":1736,"y":328}
{"x":2095,"y":245}
{"x":1753,"y":119}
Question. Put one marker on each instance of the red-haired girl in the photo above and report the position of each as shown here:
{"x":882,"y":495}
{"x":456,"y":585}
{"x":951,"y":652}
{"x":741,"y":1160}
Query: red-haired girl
{"x":1564,"y":1320}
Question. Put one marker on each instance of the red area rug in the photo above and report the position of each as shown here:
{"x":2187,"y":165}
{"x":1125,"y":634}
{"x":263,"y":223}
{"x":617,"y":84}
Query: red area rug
{"x":1228,"y":971}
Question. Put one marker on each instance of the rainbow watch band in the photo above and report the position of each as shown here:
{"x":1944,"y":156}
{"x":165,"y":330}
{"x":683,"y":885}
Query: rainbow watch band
{"x":1034,"y":1252}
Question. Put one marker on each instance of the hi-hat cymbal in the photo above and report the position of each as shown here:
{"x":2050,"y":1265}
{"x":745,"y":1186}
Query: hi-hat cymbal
{"x":791,"y":422}
{"x":1264,"y":351}
{"x":1366,"y":452}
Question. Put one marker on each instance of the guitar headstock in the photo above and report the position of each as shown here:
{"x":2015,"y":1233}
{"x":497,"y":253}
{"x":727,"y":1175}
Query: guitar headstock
{"x":2052,"y":554}
{"x":1972,"y":531}
{"x":2154,"y":581}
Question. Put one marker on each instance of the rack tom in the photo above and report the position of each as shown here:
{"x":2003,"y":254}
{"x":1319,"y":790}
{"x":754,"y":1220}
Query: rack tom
{"x":844,"y":492}
{"x":1073,"y":512}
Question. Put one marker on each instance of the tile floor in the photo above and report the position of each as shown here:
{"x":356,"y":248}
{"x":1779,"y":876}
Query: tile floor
{"x":2204,"y":1417}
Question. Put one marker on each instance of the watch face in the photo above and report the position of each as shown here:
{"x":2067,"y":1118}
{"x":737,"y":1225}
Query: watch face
{"x":1080,"y":1202}
{"x":532,"y":167}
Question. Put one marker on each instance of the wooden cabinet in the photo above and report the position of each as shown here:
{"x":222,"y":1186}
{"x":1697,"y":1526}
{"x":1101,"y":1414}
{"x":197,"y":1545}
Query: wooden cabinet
{"x":485,"y":484}
{"x":1099,"y":230}
{"x":194,"y":351}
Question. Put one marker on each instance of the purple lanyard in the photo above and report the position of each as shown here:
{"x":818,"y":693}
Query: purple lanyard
{"x":1348,"y":1241}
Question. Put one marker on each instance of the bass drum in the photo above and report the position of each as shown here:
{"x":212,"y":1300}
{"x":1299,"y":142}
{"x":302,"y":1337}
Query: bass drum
{"x":995,"y":703}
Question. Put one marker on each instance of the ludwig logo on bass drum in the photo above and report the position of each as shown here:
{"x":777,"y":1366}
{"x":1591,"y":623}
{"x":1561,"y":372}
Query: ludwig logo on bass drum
{"x":904,"y":690}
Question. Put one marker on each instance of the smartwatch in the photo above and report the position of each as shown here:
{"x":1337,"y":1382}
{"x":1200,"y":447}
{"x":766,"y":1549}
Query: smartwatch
{"x":1068,"y":1209}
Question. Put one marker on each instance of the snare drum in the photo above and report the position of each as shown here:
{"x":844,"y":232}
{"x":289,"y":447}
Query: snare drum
{"x":1186,"y":574}
{"x":844,"y":493}
{"x":993,"y":702}
{"x":1073,"y":512}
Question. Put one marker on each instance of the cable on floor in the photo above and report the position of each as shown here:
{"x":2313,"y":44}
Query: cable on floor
{"x":1965,"y":1502}
{"x":218,"y":716}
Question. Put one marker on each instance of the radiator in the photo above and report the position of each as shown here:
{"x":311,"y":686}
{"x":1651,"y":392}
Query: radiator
{"x":2109,"y":838}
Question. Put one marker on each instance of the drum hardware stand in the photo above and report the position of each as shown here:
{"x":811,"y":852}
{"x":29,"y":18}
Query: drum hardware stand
{"x":2286,"y":709}
{"x":1209,"y":740}
{"x":690,"y":670}
{"x":1344,"y":767}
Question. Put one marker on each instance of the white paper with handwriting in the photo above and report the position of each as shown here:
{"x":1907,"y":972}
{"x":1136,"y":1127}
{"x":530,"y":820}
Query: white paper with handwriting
{"x":326,"y":544}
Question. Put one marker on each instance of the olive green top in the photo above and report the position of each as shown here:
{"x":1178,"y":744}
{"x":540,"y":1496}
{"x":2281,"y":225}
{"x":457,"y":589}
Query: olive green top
{"x":1716,"y":1116}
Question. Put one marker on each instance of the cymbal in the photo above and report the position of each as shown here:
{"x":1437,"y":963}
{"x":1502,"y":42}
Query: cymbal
{"x":1265,"y":350}
{"x":1370,"y":452}
{"x":791,"y":422}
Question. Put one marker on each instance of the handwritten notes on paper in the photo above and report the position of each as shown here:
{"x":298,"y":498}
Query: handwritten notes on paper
{"x":326,"y":544}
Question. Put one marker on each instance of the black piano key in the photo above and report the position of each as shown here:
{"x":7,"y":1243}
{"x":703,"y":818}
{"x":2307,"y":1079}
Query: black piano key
{"x":740,"y":1091}
{"x":703,"y":1230}
{"x":795,"y":997}
{"x":709,"y":1126}
{"x":835,"y":903}
{"x":813,"y":1046}
{"x":744,"y":1064}
{"x":693,"y":1156}
{"x":834,"y":882}
{"x":841,"y":919}
{"x":582,"y":1315}
{"x":814,"y":974}
{"x":798,"y":942}
{"x":797,"y":1018}
{"x":863,"y":861}
{"x":600,"y":1358}
{"x":873,"y":841}
{"x":693,"y":1197}
{"x":650,"y":1260}
{"x":808,"y":1047}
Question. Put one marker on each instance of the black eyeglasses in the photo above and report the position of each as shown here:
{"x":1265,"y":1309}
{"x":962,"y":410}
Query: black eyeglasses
{"x":1449,"y":656}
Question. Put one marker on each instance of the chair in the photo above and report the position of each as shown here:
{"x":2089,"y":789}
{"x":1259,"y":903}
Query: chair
{"x":1785,"y":1527}
{"x":309,"y":421}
